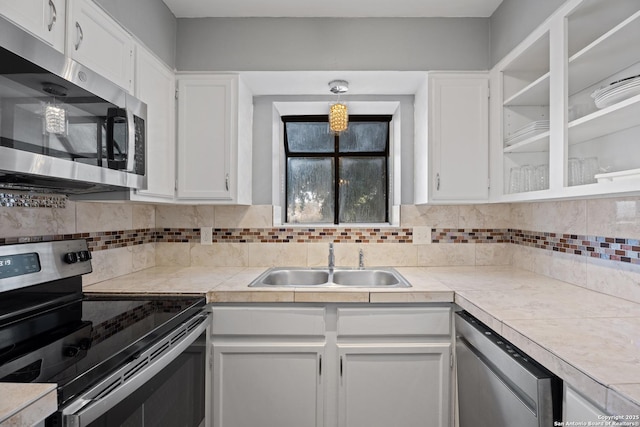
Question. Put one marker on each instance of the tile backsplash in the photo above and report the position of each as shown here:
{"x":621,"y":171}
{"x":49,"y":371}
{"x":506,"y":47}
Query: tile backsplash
{"x":591,"y":243}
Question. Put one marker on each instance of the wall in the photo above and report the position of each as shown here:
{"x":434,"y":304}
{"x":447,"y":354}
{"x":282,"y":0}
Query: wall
{"x":514,"y":20}
{"x":120,"y":236}
{"x":590,"y":243}
{"x":265,"y":44}
{"x":150,"y":21}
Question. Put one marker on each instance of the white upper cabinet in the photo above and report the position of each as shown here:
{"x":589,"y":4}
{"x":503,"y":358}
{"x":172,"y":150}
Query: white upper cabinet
{"x":43,"y":18}
{"x":155,"y":86}
{"x":566,"y":107}
{"x":98,"y":42}
{"x":452,"y":138}
{"x":214,"y":139}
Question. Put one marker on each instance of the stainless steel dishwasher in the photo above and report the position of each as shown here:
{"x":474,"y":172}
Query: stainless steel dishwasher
{"x":498,"y":385}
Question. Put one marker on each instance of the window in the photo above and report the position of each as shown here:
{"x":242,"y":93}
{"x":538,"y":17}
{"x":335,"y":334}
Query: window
{"x":337,"y":178}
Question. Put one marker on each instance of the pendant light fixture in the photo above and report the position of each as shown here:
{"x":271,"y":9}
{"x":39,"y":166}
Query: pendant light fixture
{"x":55,"y":114}
{"x":338,"y":113}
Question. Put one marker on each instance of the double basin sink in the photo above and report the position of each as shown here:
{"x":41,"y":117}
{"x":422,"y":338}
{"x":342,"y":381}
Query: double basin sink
{"x":326,"y":277}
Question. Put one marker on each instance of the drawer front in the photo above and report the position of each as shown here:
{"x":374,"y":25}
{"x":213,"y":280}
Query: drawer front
{"x":309,"y":321}
{"x":394,"y":321}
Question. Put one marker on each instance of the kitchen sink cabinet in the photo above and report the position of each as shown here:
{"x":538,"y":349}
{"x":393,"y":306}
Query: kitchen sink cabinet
{"x":214,"y":139}
{"x":100,"y":43}
{"x":394,"y":366}
{"x":44,"y":19}
{"x":268,"y":366}
{"x":394,"y":384}
{"x":270,"y":385}
{"x":331,"y":365}
{"x":451,"y":162}
{"x":549,"y":137}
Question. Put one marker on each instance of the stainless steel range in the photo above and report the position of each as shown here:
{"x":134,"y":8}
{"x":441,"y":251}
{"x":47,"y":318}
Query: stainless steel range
{"x":117,"y":360}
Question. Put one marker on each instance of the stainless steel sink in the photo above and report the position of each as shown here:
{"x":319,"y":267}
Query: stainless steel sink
{"x":367,"y":278}
{"x":324,"y":277}
{"x":293,"y":277}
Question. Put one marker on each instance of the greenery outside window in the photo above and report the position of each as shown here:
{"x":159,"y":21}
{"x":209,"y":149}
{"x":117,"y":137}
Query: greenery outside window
{"x":339,"y":178}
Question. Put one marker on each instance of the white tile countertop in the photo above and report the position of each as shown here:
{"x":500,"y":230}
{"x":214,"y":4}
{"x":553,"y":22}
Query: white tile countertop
{"x":26,"y":404}
{"x":589,"y":339}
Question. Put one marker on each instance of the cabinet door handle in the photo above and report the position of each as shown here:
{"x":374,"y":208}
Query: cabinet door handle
{"x":340,"y":366}
{"x":54,"y":14}
{"x":80,"y":35}
{"x":320,"y":366}
{"x":438,"y":181}
{"x":226,"y":182}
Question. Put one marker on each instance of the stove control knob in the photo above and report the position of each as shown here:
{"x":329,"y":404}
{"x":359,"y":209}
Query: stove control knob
{"x":84,"y":256}
{"x":70,"y":258}
{"x":71,"y":351}
{"x":85,"y":344}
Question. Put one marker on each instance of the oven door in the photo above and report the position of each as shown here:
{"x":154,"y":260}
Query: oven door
{"x":164,"y":385}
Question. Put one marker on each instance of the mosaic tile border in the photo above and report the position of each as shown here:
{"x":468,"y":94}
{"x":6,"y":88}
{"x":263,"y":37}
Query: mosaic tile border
{"x":291,"y":235}
{"x":11,"y":200}
{"x":607,"y":248}
{"x":97,"y":241}
{"x":474,"y":235}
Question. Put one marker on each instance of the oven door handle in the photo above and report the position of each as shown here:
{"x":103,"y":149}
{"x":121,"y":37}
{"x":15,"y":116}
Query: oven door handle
{"x":118,"y":386}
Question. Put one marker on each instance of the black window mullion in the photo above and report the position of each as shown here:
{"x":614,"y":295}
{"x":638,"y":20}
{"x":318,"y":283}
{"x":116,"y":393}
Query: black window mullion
{"x":336,"y":180}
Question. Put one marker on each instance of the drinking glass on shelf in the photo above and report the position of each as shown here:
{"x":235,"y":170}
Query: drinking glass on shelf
{"x":528,"y":179}
{"x":515,"y":180}
{"x":542,"y":177}
{"x":574,"y":175}
{"x":589,"y":169}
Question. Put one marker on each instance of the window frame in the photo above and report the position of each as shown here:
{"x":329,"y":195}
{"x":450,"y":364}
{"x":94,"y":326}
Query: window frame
{"x":336,"y":154}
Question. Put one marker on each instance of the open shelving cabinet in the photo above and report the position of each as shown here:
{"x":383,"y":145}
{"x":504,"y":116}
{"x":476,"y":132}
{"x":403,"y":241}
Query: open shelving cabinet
{"x":584,"y":46}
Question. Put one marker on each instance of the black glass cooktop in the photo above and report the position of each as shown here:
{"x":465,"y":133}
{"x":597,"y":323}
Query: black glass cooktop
{"x":75,"y":343}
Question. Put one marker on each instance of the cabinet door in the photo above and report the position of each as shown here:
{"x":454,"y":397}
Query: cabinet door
{"x":401,"y":385}
{"x":206,"y":108}
{"x":155,"y":86}
{"x":459,"y":137}
{"x":42,"y":18}
{"x":268,"y":385}
{"x":97,"y":41}
{"x":578,"y":409}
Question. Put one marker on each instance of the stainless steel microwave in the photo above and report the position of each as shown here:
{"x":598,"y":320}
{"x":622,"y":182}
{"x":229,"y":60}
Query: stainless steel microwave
{"x":63,"y":127}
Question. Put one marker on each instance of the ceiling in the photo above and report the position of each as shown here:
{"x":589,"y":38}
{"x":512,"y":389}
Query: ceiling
{"x":333,"y":8}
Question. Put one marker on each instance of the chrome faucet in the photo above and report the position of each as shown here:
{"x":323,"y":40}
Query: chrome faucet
{"x":360,"y":259}
{"x":332,"y":258}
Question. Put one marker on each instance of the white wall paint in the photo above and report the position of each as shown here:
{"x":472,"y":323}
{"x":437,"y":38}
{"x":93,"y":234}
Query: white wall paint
{"x":514,"y":20}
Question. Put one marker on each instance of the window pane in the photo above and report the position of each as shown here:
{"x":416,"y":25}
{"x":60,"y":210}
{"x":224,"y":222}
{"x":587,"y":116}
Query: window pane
{"x":362,"y":189}
{"x":309,"y":137}
{"x":309,"y":189}
{"x":364,"y":136}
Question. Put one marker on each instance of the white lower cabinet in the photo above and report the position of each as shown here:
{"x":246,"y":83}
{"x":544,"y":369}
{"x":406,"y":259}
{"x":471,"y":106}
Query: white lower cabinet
{"x":394,"y":385}
{"x":577,"y":409}
{"x":298,"y":366}
{"x":267,"y":385}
